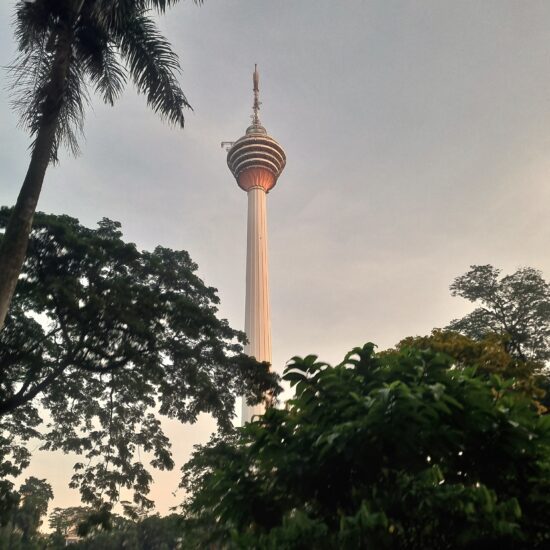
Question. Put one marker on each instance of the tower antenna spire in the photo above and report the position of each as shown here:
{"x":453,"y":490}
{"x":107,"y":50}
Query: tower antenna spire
{"x":257,"y":103}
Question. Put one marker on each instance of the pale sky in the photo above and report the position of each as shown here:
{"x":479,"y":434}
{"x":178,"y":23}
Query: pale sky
{"x":417,"y":136}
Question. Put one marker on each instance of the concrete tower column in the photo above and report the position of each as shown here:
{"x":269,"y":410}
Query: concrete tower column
{"x":256,"y":160}
{"x":257,"y":318}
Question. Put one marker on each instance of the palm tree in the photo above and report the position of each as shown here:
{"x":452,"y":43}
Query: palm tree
{"x":65,"y":48}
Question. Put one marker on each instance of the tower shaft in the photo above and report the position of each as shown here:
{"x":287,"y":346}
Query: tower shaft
{"x":257,"y":315}
{"x":256,"y":160}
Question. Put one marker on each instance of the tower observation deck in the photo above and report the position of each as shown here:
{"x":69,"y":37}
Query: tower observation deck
{"x":256,"y":161}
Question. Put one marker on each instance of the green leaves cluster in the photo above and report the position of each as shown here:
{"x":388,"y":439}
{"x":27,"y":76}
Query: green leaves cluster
{"x":150,"y":533}
{"x":100,"y":338}
{"x":85,"y":527}
{"x":21,"y":519}
{"x":515,"y":306}
{"x":395,"y":450}
{"x":491,"y":354}
{"x":146,"y":533}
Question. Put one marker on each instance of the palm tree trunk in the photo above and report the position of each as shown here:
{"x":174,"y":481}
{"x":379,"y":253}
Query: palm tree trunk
{"x":13,"y":246}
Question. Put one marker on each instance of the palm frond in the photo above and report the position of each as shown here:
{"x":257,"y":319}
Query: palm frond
{"x":107,"y":75}
{"x":106,"y":35}
{"x":29,"y":79}
{"x":98,"y":58}
{"x":32,"y":22}
{"x":28,"y":74}
{"x":162,"y":5}
{"x":37,"y":26}
{"x":153,"y":66}
{"x":71,"y":114}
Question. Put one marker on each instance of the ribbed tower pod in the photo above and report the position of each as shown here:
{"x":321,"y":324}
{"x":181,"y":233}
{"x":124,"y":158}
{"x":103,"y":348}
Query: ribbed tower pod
{"x":256,"y":160}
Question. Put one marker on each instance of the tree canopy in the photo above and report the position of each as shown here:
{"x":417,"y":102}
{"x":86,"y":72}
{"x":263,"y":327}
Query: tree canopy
{"x":66,"y":521}
{"x":100,"y":338}
{"x":401,"y":449}
{"x":20,"y":524}
{"x":516,"y":306}
{"x":149,"y":533}
{"x":491,"y":355}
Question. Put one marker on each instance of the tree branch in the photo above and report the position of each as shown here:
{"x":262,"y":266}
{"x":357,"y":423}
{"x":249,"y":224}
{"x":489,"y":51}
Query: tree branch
{"x":19,"y":399}
{"x":113,"y":366}
{"x":22,"y":353}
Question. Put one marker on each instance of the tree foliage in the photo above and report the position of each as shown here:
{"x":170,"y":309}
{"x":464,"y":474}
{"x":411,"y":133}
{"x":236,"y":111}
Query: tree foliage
{"x":392,"y":450}
{"x":66,"y":521}
{"x":491,"y":355}
{"x":35,"y":495}
{"x":146,"y":533}
{"x":516,"y":306}
{"x":89,"y":529}
{"x":20,"y":530}
{"x":100,"y":337}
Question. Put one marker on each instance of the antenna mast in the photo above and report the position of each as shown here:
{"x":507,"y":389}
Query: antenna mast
{"x":257,"y":102}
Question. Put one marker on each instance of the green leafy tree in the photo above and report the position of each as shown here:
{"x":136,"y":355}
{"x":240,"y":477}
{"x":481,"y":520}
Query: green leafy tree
{"x":164,"y":533}
{"x":66,"y":47}
{"x":149,"y":533}
{"x":490,"y":354}
{"x":101,"y":337}
{"x":516,"y":306}
{"x":9,"y":499}
{"x":35,"y":495}
{"x":65,"y":521}
{"x":390,"y":450}
{"x":100,"y":520}
{"x":29,"y":506}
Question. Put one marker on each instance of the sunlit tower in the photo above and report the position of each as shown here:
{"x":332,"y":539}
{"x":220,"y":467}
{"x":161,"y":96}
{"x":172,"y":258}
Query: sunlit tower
{"x":256,"y":160}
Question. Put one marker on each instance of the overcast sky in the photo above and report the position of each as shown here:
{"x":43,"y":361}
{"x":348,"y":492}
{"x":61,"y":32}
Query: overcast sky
{"x":417,"y":136}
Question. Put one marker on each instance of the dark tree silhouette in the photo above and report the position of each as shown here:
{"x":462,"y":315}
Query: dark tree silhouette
{"x":516,"y":306}
{"x":100,"y":335}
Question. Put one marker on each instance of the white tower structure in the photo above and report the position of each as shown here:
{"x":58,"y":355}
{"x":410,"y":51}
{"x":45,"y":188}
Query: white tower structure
{"x":256,"y":160}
